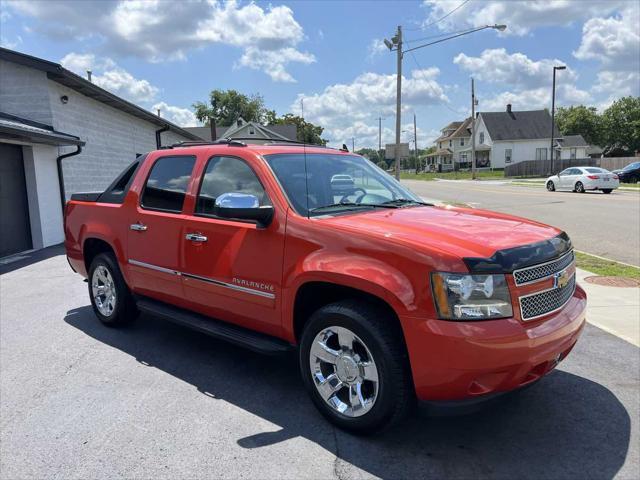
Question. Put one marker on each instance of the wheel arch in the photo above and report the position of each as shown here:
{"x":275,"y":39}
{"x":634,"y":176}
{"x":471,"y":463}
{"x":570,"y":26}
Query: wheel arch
{"x":314,"y":294}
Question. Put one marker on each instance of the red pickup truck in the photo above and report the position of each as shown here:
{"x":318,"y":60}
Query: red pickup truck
{"x":278,"y":247}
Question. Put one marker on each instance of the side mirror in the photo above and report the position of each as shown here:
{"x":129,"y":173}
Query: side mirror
{"x":242,"y":206}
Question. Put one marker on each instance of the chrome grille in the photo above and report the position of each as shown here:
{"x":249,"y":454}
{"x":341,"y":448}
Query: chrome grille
{"x":542,"y":303}
{"x":542,"y":270}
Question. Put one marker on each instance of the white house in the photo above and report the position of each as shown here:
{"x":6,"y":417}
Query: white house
{"x":60,"y":134}
{"x":504,"y":138}
{"x":248,"y":132}
{"x":452,"y":147}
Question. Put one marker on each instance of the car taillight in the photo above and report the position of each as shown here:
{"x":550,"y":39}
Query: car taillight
{"x":593,"y":177}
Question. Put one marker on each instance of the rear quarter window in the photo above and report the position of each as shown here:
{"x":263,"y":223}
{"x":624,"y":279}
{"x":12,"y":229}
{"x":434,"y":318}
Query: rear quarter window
{"x":166,"y":185}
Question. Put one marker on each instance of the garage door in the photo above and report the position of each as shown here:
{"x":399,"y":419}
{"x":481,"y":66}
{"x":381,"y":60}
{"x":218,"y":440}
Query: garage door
{"x":15,"y":230}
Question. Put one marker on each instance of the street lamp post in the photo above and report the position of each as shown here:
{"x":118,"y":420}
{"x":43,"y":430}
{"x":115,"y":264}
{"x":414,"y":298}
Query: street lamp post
{"x":396,"y":44}
{"x":553,"y":112}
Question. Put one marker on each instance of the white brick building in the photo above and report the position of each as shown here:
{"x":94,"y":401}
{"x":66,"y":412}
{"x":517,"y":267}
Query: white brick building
{"x":47,"y":111}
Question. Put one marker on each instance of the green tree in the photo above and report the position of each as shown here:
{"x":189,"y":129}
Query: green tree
{"x":621,"y":122}
{"x":307,"y":132}
{"x":226,"y":106}
{"x":370,"y":153}
{"x":581,"y":120}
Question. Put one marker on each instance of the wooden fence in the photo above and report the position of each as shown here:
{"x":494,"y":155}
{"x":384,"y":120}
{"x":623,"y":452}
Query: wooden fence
{"x":541,"y":168}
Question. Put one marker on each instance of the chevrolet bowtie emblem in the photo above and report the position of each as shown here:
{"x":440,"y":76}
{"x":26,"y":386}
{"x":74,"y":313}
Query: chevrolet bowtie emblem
{"x":561,"y":279}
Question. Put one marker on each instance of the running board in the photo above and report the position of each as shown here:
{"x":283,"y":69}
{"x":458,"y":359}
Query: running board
{"x":258,"y":342}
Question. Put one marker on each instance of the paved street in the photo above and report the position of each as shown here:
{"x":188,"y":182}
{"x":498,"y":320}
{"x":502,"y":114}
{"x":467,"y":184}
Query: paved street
{"x":606,"y":225}
{"x":156,"y":401}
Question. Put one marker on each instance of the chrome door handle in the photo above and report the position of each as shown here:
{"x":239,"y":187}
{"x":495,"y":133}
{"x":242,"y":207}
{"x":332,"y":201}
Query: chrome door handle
{"x":195,"y":237}
{"x":138,"y":227}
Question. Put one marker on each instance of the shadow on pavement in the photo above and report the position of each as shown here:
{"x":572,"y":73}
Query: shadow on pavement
{"x":21,"y":260}
{"x":564,"y":427}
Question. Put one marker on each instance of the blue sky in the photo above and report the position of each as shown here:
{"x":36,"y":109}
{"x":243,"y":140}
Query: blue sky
{"x":169,"y":54}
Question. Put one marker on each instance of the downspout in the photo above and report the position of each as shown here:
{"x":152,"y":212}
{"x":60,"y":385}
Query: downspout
{"x":63,"y":196}
{"x":158,"y":138}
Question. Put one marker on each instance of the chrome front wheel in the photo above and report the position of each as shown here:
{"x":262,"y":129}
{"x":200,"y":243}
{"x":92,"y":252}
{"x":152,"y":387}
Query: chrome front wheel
{"x":344,"y":371}
{"x":103,"y":289}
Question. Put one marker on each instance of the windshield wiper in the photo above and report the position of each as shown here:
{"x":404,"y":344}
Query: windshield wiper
{"x":403,"y":201}
{"x":351,"y":205}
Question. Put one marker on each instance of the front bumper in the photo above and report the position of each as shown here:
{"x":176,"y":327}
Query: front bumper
{"x":462,"y":360}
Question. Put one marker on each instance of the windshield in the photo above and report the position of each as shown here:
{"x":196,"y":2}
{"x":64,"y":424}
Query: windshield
{"x":632,"y":166}
{"x":333,"y":183}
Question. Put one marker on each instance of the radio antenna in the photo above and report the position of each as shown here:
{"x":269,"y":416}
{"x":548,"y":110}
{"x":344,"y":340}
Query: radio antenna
{"x":304,"y":151}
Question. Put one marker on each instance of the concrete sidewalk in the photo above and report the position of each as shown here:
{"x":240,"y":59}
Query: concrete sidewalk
{"x":613,"y":309}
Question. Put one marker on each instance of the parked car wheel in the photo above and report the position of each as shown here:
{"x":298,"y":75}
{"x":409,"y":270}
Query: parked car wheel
{"x":579,"y":188}
{"x":606,"y":190}
{"x":551,"y":186}
{"x":110,"y":296}
{"x":354,"y":365}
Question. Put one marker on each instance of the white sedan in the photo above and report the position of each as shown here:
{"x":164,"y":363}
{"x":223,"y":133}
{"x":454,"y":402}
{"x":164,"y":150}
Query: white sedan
{"x":581,"y":179}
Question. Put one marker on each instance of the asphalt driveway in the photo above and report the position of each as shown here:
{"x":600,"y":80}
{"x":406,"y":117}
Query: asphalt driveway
{"x":79,"y":400}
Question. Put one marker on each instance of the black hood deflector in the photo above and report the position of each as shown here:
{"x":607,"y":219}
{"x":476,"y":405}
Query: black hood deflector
{"x":510,"y":259}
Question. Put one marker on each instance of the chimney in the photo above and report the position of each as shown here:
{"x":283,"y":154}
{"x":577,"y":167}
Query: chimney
{"x":239,"y":122}
{"x":508,"y":107}
{"x":212,"y":127}
{"x":89,"y":75}
{"x":159,"y":112}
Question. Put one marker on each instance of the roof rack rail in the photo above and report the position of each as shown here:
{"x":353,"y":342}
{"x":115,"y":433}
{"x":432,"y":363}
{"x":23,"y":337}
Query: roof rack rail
{"x":222,"y":141}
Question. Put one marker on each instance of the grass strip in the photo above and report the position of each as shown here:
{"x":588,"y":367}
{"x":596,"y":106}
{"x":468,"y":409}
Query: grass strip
{"x":602,"y":267}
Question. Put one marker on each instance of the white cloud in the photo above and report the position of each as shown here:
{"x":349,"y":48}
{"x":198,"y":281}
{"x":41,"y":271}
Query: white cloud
{"x":350,"y":110}
{"x":180,"y":116}
{"x":614,"y":42}
{"x":516,"y":69}
{"x":376,"y":47}
{"x":159,"y":31}
{"x":534,"y":99}
{"x":108,"y":75}
{"x":273,"y":62}
{"x":520,"y":17}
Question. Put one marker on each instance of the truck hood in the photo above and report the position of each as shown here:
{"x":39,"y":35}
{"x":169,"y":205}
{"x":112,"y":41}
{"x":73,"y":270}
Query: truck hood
{"x":463,"y":232}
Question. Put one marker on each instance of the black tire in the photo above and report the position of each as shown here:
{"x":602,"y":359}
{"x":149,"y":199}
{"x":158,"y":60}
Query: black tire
{"x":579,"y":188}
{"x":607,"y":190}
{"x":551,"y":186}
{"x":124,"y":308}
{"x":384,"y":339}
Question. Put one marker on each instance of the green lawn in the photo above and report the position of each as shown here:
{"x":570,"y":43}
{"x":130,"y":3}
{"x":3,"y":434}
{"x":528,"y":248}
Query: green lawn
{"x":461,"y":175}
{"x":603,"y":267}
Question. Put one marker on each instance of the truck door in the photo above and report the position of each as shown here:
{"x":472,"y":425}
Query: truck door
{"x":154,"y":235}
{"x":232,"y":269}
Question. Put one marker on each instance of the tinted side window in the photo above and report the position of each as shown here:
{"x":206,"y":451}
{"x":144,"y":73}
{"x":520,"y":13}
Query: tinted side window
{"x":167,"y":183}
{"x":227,"y":175}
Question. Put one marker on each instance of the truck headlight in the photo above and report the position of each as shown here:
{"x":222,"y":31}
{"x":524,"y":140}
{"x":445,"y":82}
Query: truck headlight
{"x":471,"y":297}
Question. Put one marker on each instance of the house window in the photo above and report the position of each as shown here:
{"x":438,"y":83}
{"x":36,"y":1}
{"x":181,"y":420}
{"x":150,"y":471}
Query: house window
{"x":451,"y":143}
{"x":541,"y":153}
{"x":481,"y":137}
{"x":463,"y":158}
{"x":462,"y":142}
{"x":440,"y":144}
{"x":573,"y":152}
{"x":507,"y":155}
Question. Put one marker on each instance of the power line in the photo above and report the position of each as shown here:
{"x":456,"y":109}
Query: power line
{"x":424,"y":27}
{"x":420,"y":68}
{"x":444,"y":34}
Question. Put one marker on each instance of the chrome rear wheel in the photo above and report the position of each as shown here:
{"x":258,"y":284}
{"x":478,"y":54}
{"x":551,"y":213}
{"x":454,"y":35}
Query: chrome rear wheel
{"x":103,"y":290}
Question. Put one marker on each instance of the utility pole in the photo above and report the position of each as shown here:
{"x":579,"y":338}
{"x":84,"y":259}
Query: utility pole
{"x":473,"y":130}
{"x":353,"y":144}
{"x":398,"y":42}
{"x":415,"y":143}
{"x":553,"y":113}
{"x":380,"y":139}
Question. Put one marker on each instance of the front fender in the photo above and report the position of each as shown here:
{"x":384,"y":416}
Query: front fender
{"x":362,"y":273}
